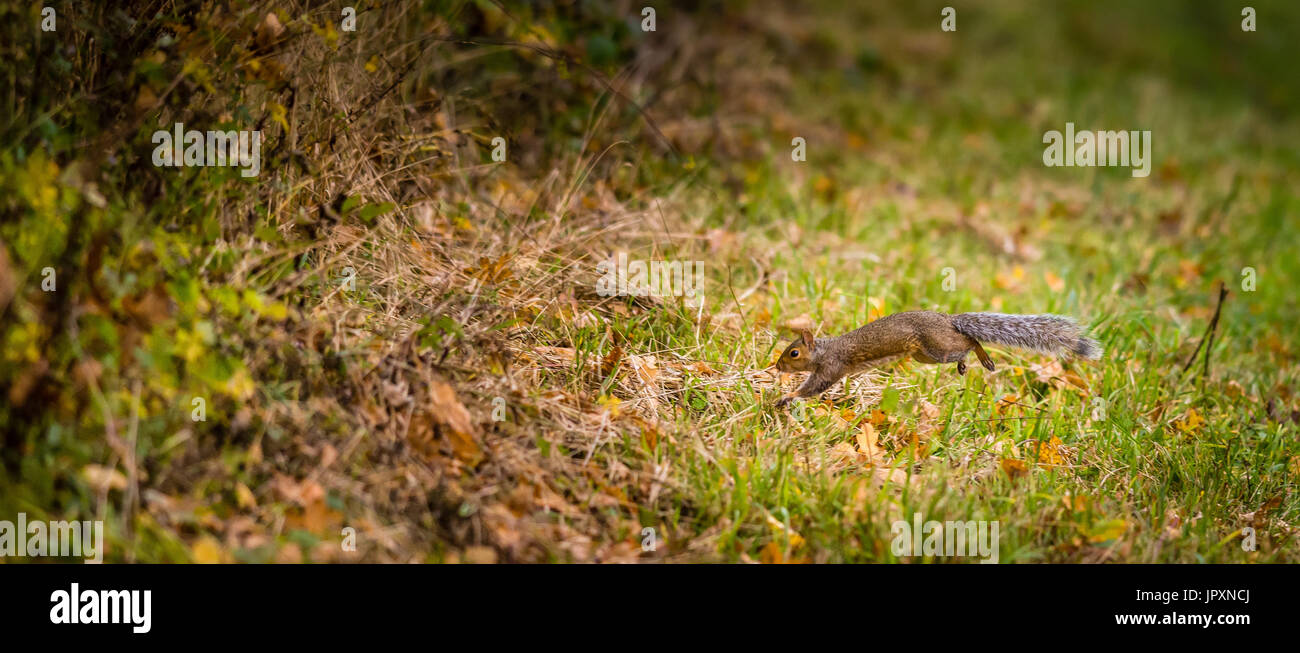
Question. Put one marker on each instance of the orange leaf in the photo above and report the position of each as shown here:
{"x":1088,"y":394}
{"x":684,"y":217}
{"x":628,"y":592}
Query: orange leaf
{"x":449,"y":412}
{"x":1014,"y":468}
{"x":1049,"y":452}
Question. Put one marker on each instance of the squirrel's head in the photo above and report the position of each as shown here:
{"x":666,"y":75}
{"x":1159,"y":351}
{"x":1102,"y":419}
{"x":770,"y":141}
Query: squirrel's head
{"x":801,"y":355}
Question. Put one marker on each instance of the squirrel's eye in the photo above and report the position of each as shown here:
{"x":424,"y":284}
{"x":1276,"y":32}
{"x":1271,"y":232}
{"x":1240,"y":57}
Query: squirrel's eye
{"x":794,"y":353}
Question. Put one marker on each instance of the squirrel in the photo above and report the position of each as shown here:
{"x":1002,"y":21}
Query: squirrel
{"x":928,"y":337}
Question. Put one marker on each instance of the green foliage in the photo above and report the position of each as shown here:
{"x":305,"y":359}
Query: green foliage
{"x":180,"y":284}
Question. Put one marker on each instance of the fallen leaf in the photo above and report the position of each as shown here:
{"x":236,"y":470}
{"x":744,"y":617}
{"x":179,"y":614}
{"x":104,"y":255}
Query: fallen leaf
{"x":480,"y":555}
{"x":1049,"y":452}
{"x":207,"y":551}
{"x":459,"y":427}
{"x":1077,"y":503}
{"x":875,"y":308}
{"x":611,"y":405}
{"x":1190,"y":422}
{"x":611,"y":360}
{"x":100,"y":477}
{"x":1013,"y":468}
{"x":803,"y":321}
{"x":269,"y":30}
{"x":1233,"y":389}
{"x":244,"y":496}
{"x":869,"y":442}
{"x":1055,"y":283}
{"x":1108,"y":530}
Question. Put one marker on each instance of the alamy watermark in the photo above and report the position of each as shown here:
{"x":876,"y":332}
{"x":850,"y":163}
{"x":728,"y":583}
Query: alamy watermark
{"x":947,"y":538}
{"x":641,"y":278}
{"x":77,"y":606}
{"x":1104,"y":148}
{"x":211,"y":148}
{"x":80,"y":539}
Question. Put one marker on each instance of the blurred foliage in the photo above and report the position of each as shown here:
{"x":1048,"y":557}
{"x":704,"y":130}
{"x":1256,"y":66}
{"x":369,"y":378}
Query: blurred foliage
{"x":176,"y":284}
{"x":156,"y":301}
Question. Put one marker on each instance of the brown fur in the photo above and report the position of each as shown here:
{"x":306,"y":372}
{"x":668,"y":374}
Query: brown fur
{"x":927,"y":337}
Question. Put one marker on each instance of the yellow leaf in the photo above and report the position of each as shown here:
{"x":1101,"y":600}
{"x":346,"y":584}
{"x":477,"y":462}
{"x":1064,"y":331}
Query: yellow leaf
{"x":875,"y":308}
{"x":779,"y":526}
{"x":244,"y":496}
{"x":207,"y":551}
{"x":1190,"y":422}
{"x":195,"y":69}
{"x":1049,"y":453}
{"x":328,"y":33}
{"x":240,"y":385}
{"x":278,"y":113}
{"x":610,"y":404}
{"x":1055,"y":283}
{"x":1107,"y":530}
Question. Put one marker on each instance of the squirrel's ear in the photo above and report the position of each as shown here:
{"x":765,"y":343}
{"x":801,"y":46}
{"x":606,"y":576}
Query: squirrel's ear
{"x":807,"y":337}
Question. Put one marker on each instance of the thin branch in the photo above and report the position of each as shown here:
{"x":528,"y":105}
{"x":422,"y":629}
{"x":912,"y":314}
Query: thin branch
{"x":1208,"y":337}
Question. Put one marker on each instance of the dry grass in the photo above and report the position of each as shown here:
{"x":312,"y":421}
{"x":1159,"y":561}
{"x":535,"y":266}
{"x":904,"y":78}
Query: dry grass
{"x":470,"y":397}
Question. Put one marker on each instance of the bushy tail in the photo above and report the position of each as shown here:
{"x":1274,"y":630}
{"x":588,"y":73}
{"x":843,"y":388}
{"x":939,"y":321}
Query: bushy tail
{"x":1050,"y":334}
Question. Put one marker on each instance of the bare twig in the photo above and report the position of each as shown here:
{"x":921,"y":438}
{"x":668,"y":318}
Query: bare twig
{"x":1208,"y":337}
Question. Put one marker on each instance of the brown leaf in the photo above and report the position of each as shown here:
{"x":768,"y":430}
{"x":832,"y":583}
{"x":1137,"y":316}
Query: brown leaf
{"x":480,"y":555}
{"x":611,"y":360}
{"x":459,"y":427}
{"x":878,"y":417}
{"x":145,"y":100}
{"x":316,"y":517}
{"x":1233,"y":389}
{"x":149,"y":307}
{"x":269,"y":30}
{"x":1014,"y":468}
{"x":869,"y":443}
{"x":100,"y":477}
{"x":803,"y":321}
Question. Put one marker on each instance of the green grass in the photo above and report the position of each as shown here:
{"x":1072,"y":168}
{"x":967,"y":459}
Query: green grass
{"x":1148,"y":484}
{"x":374,"y":407}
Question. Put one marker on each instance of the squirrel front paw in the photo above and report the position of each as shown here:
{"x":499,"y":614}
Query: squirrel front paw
{"x":784,"y":401}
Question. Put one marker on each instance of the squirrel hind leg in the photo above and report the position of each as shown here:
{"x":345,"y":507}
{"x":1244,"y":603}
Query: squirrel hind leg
{"x":983,"y":356}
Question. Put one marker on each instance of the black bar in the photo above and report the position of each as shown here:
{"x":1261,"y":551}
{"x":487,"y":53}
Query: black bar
{"x":239,"y":604}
